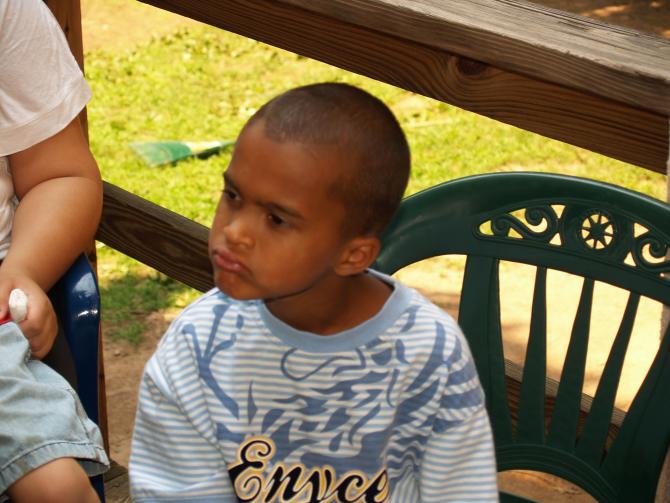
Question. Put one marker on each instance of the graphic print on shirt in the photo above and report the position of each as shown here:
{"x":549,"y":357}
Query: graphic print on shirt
{"x":351,"y":436}
{"x":298,"y":482}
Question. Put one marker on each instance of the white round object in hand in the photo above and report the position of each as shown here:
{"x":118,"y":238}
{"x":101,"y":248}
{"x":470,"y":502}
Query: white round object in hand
{"x":18,"y":305}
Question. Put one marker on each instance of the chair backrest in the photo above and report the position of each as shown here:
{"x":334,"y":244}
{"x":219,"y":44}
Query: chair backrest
{"x":76,"y":300}
{"x":595,"y":230}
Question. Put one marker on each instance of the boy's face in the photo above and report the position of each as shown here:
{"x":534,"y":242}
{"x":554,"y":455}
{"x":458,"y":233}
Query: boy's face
{"x":277,"y":232}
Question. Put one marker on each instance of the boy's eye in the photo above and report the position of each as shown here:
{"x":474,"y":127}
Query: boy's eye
{"x":276,"y":220}
{"x":229,"y":194}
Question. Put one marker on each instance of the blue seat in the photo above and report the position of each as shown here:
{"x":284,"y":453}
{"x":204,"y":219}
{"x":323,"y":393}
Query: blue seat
{"x":76,"y":299}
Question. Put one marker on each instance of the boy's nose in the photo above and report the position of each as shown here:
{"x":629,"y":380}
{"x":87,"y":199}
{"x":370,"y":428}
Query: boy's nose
{"x":236,"y":232}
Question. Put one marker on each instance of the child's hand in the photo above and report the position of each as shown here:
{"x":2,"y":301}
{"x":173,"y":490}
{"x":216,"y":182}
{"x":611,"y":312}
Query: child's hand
{"x":40,"y":325}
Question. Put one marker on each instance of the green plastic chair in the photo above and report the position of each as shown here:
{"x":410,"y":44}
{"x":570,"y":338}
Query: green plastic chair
{"x":594,"y":234}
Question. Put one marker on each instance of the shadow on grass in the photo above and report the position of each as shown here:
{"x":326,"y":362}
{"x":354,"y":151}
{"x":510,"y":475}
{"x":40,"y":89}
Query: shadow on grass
{"x":126,"y":302}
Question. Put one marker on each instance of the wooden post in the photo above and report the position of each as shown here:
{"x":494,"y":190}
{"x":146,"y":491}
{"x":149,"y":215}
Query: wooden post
{"x":68,"y":14}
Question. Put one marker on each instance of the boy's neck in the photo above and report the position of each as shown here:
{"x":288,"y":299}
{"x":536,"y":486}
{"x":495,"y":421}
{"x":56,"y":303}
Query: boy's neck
{"x":341,"y":304}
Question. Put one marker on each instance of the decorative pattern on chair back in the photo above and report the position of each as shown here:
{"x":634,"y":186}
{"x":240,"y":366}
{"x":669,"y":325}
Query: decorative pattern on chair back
{"x":608,"y":235}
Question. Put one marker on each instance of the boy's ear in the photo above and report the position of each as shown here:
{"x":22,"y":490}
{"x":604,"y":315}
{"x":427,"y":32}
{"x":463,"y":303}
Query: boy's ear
{"x":358,"y":255}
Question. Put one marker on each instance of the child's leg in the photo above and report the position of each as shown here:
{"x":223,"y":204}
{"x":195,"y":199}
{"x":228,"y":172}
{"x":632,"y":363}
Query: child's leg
{"x":43,"y":427}
{"x":58,"y":481}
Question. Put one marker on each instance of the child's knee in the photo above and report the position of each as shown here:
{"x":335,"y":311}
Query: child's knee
{"x":58,"y":481}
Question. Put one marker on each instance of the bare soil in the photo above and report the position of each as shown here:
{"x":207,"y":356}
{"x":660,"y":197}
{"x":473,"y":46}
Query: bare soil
{"x":116,"y":24}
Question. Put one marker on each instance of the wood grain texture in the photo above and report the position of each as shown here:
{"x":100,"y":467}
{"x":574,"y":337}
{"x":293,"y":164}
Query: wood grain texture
{"x":540,"y":42}
{"x":613,"y":128}
{"x":157,"y":237}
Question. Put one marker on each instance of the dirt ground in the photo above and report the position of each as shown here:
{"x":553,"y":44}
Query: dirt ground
{"x":123,"y":23}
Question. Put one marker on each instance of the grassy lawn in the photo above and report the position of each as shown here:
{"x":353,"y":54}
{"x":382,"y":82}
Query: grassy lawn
{"x":200,"y":83}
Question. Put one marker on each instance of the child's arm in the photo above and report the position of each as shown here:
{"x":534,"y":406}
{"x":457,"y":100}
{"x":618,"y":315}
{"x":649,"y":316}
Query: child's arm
{"x":459,"y":463}
{"x":175,"y":454}
{"x":459,"y":460}
{"x":60,"y":200}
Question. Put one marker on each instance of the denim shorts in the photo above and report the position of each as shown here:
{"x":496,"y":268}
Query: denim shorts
{"x":41,"y":418}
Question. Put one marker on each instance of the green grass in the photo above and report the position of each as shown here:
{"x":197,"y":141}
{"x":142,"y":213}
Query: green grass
{"x":203,"y":84}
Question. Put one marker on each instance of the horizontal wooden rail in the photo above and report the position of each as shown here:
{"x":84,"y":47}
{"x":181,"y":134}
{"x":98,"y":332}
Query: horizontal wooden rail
{"x":580,"y":81}
{"x":527,"y":38}
{"x":156,"y":236}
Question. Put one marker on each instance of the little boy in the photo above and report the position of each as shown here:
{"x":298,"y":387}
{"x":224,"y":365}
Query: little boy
{"x":305,"y":376}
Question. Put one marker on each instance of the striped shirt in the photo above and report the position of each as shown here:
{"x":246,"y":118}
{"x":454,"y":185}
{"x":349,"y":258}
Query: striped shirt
{"x":235,"y":405}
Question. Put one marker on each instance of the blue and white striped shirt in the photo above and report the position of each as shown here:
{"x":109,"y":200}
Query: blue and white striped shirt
{"x":235,"y":405}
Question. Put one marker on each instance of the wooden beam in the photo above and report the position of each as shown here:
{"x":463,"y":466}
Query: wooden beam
{"x":156,"y":236}
{"x":540,"y":42}
{"x":633,"y":130}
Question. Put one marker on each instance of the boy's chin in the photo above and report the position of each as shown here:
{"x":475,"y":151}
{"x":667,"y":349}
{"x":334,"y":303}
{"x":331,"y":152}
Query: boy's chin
{"x":238,"y":294}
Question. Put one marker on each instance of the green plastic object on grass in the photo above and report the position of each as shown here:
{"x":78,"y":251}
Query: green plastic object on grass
{"x":157,"y":153}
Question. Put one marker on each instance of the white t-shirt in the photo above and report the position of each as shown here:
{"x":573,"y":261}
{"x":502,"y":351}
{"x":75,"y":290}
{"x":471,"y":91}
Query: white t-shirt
{"x":41,"y":89}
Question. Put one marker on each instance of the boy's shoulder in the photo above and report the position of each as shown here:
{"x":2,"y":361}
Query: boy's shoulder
{"x":426,"y":325}
{"x":418,"y":303}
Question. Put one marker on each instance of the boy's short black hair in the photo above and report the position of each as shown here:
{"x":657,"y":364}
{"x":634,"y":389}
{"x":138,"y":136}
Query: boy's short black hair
{"x":364,"y":130}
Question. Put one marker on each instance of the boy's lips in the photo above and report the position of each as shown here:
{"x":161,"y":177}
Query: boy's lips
{"x":227,"y":261}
